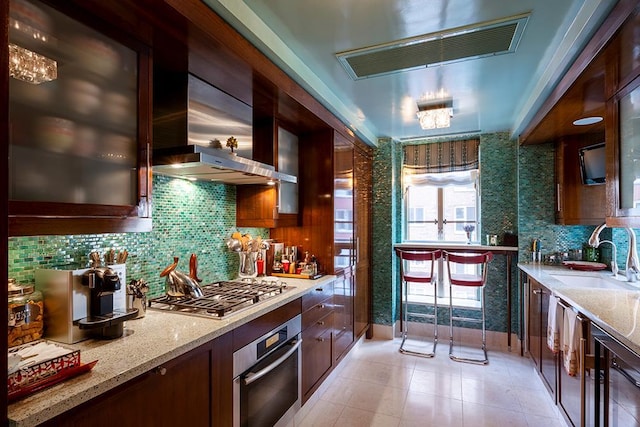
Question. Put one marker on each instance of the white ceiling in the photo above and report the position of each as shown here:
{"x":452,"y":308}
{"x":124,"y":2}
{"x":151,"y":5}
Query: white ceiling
{"x":497,"y":93}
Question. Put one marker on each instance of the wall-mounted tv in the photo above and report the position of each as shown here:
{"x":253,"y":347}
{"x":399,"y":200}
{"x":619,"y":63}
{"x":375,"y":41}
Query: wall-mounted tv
{"x":592,"y":164}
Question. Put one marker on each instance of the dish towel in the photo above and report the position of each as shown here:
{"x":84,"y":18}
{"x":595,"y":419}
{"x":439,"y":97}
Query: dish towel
{"x":571,"y":342}
{"x":553,"y":329}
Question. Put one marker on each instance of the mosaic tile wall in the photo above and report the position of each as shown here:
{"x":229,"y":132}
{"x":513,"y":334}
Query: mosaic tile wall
{"x":499,"y":214}
{"x":188,"y":217}
{"x":499,"y":196}
{"x":536,"y":212}
{"x":536,"y":205}
{"x":385,"y":295}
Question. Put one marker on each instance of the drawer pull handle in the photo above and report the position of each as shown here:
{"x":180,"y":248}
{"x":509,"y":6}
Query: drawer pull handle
{"x":319,"y":289}
{"x":161,"y":370}
{"x":321,"y":322}
{"x":320,"y":339}
{"x":321,"y":305}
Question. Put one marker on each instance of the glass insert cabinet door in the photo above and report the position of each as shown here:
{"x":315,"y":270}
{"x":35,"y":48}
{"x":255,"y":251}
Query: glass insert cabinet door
{"x":73,"y":111}
{"x":629,"y":153}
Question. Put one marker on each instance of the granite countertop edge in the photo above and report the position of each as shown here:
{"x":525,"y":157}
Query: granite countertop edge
{"x":147,"y":343}
{"x":580,"y":297}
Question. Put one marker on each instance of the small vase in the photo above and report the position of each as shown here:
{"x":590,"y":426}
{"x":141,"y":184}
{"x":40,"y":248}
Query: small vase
{"x":468,"y":237}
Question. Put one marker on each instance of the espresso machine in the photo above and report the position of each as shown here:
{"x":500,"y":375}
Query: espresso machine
{"x":103,"y":321}
{"x":74,"y":311}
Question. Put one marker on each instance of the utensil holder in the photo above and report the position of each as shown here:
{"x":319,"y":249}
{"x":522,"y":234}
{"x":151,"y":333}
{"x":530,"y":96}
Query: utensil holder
{"x":248,"y":264}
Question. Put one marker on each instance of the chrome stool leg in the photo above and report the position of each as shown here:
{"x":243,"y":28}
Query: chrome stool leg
{"x":469,"y":280}
{"x":405,"y":325}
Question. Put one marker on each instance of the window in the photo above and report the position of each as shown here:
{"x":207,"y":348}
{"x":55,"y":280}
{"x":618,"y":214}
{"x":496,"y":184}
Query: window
{"x":437,"y":208}
{"x":441,"y":198}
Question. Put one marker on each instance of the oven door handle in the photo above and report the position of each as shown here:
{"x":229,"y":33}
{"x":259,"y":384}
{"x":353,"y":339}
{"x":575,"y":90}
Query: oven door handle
{"x":254,"y":376}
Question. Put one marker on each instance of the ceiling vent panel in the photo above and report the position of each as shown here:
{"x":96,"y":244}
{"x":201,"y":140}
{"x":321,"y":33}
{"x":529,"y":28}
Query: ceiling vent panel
{"x":458,"y":44}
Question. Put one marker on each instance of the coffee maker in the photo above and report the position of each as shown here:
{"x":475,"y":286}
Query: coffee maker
{"x":67,"y":302}
{"x":102,"y":320}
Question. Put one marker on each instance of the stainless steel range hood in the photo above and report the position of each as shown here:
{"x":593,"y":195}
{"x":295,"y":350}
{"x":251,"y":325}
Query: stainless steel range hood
{"x":191,"y":117}
{"x":204,"y":163}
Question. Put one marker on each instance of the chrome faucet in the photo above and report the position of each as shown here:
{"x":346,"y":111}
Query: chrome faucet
{"x":632,"y":266}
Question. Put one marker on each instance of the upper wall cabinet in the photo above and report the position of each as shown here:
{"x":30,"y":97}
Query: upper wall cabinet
{"x":623,"y":127}
{"x":623,"y":158}
{"x":271,"y":206}
{"x":580,"y":199}
{"x":79,"y":105}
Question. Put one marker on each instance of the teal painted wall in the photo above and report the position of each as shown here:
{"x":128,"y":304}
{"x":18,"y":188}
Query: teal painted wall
{"x":188,"y":217}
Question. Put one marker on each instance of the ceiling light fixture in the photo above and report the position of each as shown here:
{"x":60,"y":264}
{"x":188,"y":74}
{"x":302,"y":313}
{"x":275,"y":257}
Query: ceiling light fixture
{"x":31,"y":67}
{"x":587,"y":121}
{"x":435,"y":113}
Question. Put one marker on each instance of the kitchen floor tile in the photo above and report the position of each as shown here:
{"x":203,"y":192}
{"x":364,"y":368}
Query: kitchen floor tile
{"x":376,"y":385}
{"x":322,"y":414}
{"x":353,"y":417}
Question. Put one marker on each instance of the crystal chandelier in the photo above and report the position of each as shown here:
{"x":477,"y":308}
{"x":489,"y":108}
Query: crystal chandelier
{"x":31,"y":67}
{"x":435,"y":113}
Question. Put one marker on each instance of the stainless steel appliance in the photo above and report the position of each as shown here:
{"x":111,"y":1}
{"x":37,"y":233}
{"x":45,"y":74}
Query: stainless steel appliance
{"x":103,"y":321}
{"x":190,"y":116}
{"x":222,"y":298}
{"x":267,"y":378}
{"x":67,"y":301}
{"x":618,"y":396}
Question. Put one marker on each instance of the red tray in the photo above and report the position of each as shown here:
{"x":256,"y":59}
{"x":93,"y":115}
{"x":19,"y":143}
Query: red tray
{"x":49,"y":381}
{"x":585,"y":265}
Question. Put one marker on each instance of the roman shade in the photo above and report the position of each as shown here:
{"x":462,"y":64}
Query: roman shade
{"x":438,"y":157}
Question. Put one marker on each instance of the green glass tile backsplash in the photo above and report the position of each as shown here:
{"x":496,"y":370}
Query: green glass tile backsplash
{"x":188,"y":217}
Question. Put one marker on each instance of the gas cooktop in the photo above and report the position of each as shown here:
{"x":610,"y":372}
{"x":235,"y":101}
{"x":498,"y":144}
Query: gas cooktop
{"x":222,"y":299}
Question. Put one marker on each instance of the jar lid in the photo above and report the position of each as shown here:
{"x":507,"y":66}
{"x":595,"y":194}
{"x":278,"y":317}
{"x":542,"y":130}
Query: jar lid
{"x":15,"y":289}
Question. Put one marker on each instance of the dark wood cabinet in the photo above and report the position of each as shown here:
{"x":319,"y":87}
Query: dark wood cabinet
{"x":545,"y":360}
{"x":80,"y":145}
{"x":257,"y":206}
{"x":343,"y":318}
{"x":363,"y":190}
{"x":577,"y":203}
{"x":178,"y":392}
{"x":623,"y":86}
{"x":623,"y":143}
{"x":271,"y":206}
{"x":317,"y":337}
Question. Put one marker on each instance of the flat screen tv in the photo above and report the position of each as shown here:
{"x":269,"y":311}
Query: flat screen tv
{"x":592,"y":164}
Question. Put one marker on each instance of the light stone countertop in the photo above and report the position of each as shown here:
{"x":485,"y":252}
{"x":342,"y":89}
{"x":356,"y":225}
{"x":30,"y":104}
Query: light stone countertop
{"x":147,"y":342}
{"x":611,"y":303}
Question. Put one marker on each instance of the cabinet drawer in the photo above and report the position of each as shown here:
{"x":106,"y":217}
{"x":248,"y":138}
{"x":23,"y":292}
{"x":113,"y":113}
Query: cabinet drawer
{"x":317,"y":295}
{"x":316,"y":354}
{"x":317,"y":313}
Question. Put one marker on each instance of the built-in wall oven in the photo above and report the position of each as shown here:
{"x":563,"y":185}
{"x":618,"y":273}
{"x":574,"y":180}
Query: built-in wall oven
{"x":267,"y":378}
{"x":618,"y":396}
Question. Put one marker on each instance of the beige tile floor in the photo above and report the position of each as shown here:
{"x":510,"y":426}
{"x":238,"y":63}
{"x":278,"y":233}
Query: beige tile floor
{"x":378,"y":386}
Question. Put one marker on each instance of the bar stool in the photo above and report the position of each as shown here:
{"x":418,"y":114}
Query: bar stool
{"x":474,"y":279}
{"x":417,"y":267}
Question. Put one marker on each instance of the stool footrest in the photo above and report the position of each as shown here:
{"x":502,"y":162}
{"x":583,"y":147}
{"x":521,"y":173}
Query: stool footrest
{"x":467,"y":319}
{"x":421,"y":315}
